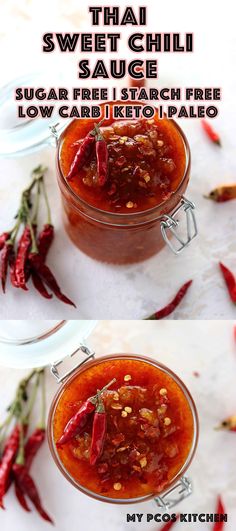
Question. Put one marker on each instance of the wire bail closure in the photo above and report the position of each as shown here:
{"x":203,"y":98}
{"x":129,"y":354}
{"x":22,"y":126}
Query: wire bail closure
{"x":54,"y":367}
{"x":54,"y":132}
{"x":171,"y":223}
{"x":179,"y":492}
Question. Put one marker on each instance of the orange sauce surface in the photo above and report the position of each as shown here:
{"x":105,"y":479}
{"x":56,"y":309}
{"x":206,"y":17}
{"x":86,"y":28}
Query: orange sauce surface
{"x":146,"y":163}
{"x":143,"y":450}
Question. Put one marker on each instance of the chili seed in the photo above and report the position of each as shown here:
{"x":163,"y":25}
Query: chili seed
{"x":160,"y":143}
{"x":124,"y":414}
{"x":127,"y":378}
{"x":130,"y":204}
{"x":128,"y":409}
{"x":116,"y":406}
{"x":117,"y":486}
{"x":143,"y":462}
{"x":115,"y":396}
{"x":162,"y":409}
{"x":150,"y":122}
{"x":167,"y":421}
{"x":163,"y":391}
{"x":122,"y":449}
{"x":136,"y":468}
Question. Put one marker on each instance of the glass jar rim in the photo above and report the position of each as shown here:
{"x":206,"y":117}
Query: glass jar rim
{"x":116,"y":218}
{"x":34,"y":338}
{"x":178,"y":475}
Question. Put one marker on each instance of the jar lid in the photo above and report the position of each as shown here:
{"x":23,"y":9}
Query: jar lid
{"x":31,"y":344}
{"x":19,"y":136}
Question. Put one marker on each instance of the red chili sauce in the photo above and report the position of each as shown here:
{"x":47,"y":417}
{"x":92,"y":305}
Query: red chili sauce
{"x":146,"y":163}
{"x":149,"y":429}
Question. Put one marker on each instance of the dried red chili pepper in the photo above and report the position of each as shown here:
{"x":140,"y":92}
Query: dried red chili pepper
{"x":223,"y":193}
{"x":44,"y":240}
{"x":28,"y":487}
{"x":46,"y":276}
{"x":5,"y":257}
{"x":169,"y":524}
{"x":83,"y":153}
{"x":9,"y":454}
{"x":99,"y":432}
{"x":3,"y":238}
{"x":102,"y":158}
{"x":220,"y":510}
{"x":21,"y":498}
{"x":11,"y":261}
{"x":167,"y":310}
{"x":39,"y":285}
{"x":33,"y":444}
{"x":77,"y":423}
{"x":230,"y":281}
{"x":211,"y":133}
{"x":228,"y":424}
{"x":21,"y":257}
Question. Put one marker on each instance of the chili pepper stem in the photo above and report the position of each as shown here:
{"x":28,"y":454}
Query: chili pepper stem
{"x":104,"y":388}
{"x":20,"y":460}
{"x":99,"y":135}
{"x":34,"y":248}
{"x":49,"y":218}
{"x":16,"y":405}
{"x":36,"y":209}
{"x":32,"y":399}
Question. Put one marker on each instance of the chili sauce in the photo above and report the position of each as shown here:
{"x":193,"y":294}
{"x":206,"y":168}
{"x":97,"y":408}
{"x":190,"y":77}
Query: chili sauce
{"x":146,"y":163}
{"x":149,"y":429}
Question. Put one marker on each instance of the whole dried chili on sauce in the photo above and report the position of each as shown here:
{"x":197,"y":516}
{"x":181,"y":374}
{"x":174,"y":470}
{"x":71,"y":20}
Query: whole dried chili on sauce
{"x":223,"y":193}
{"x":99,"y":432}
{"x":230,"y":281}
{"x":8,"y":457}
{"x":27,"y":485}
{"x":211,"y":133}
{"x":83,"y":153}
{"x":167,"y":310}
{"x":22,"y":256}
{"x":102,"y":158}
{"x":77,"y":423}
{"x":220,"y":510}
{"x":46,"y":276}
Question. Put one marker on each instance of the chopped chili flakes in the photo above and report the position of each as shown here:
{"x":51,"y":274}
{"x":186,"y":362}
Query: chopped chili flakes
{"x":144,"y":443}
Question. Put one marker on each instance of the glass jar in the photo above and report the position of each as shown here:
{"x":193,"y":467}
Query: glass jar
{"x":110,"y":237}
{"x":127,"y":238}
{"x":179,"y":487}
{"x":40,"y":343}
